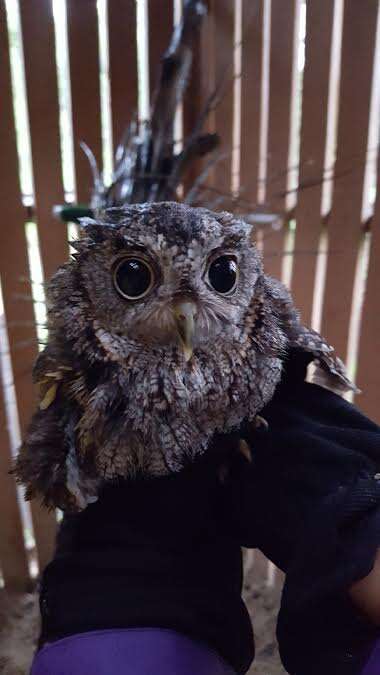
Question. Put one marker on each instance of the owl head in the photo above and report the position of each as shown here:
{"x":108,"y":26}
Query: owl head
{"x":164,"y":275}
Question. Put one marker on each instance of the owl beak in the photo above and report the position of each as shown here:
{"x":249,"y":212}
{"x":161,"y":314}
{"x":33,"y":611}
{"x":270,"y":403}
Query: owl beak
{"x":185,"y":313}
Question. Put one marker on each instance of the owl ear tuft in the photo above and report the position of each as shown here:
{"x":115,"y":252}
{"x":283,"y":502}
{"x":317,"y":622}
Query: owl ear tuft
{"x":86,"y":221}
{"x":236,"y":229}
{"x":93,"y":229}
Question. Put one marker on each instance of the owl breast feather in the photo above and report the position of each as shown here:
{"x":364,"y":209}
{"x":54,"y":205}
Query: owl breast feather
{"x":155,"y":417}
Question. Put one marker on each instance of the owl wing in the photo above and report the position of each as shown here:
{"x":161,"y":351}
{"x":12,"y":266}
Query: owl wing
{"x":47,"y":463}
{"x":331,"y":371}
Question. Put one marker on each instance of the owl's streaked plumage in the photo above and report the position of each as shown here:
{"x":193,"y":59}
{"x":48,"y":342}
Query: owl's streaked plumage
{"x":163,"y":329}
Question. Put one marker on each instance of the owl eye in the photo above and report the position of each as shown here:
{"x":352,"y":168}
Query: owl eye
{"x":133,"y":278}
{"x":223,"y":274}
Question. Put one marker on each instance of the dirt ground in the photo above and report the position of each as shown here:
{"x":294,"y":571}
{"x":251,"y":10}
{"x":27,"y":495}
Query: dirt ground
{"x":263,"y":604}
{"x":19,"y":621}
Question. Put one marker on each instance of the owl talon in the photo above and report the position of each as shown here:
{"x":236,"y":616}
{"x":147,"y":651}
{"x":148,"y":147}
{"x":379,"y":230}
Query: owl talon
{"x":83,"y":489}
{"x":245,"y":450}
{"x":81,"y":499}
{"x":260,"y":422}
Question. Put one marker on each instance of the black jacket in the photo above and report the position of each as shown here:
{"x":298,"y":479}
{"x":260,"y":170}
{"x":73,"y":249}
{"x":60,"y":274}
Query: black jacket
{"x":166,"y":552}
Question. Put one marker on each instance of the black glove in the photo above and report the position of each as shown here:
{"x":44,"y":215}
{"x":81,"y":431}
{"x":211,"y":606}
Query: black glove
{"x":310,"y":502}
{"x":151,"y":553}
{"x":318,"y":624}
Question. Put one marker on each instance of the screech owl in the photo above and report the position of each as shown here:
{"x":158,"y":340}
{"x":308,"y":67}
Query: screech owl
{"x":163,"y":329}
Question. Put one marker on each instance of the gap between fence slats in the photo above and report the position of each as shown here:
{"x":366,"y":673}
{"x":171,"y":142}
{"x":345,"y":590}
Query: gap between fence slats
{"x":223,"y":43}
{"x":344,"y":226}
{"x":14,"y":270}
{"x":82,"y":22}
{"x":319,"y":24}
{"x":283,"y":25}
{"x":252,"y":46}
{"x":123,"y":64}
{"x":13,"y":558}
{"x":38,"y":41}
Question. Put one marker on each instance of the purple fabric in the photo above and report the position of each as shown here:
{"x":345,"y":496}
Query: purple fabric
{"x":372,"y":666}
{"x":138,"y":651}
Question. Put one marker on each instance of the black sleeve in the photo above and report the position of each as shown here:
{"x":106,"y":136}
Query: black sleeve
{"x":151,"y":553}
{"x":310,"y":500}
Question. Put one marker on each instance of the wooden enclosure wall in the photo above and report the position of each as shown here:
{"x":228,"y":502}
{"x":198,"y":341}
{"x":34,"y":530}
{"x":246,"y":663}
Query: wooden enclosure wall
{"x":299,"y":121}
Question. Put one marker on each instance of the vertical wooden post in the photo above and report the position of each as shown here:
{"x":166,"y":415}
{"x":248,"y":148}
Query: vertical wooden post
{"x":200,"y":87}
{"x":38,"y":41}
{"x":84,"y":74}
{"x":319,"y":24}
{"x":368,"y":374}
{"x":14,"y":268}
{"x":359,"y":29}
{"x":252,"y":48}
{"x":280,"y":85}
{"x":13,"y":559}
{"x":223,"y":43}
{"x":160,"y":29}
{"x":123,"y":64}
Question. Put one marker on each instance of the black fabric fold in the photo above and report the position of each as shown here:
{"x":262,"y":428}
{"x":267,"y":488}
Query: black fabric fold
{"x":166,"y":552}
{"x":310,"y":500}
{"x":151,"y":553}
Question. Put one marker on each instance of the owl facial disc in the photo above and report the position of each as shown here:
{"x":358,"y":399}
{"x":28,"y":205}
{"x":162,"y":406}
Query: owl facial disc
{"x":185,"y":312}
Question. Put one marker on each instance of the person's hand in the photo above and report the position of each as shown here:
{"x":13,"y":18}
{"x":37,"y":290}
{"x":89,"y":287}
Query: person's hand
{"x":365,"y":593}
{"x":310,"y":501}
{"x":151,"y":553}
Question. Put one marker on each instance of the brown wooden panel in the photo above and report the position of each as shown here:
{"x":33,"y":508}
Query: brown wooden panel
{"x":123,"y":64}
{"x":250,"y":100}
{"x":13,"y":270}
{"x":359,"y":28}
{"x":160,"y":21}
{"x":280,"y":84}
{"x":194,"y":99}
{"x":206,"y":59}
{"x":223,"y":43}
{"x":201,"y":85}
{"x":313,"y":141}
{"x":13,"y":559}
{"x":368,"y":374}
{"x":84,"y":73}
{"x":38,"y":40}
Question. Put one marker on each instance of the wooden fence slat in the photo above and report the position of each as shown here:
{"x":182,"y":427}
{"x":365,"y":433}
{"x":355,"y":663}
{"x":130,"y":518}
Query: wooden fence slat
{"x":160,"y":22}
{"x":280,"y":91}
{"x":319,"y":24}
{"x":368,"y":373}
{"x":207,"y":64}
{"x":223,"y":43}
{"x":344,"y":222}
{"x":358,"y":41}
{"x":85,"y":89}
{"x":13,"y":558}
{"x":252,"y":45}
{"x":14,"y":269}
{"x":39,"y":52}
{"x":194,"y":99}
{"x":200,"y":86}
{"x":123,"y":64}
